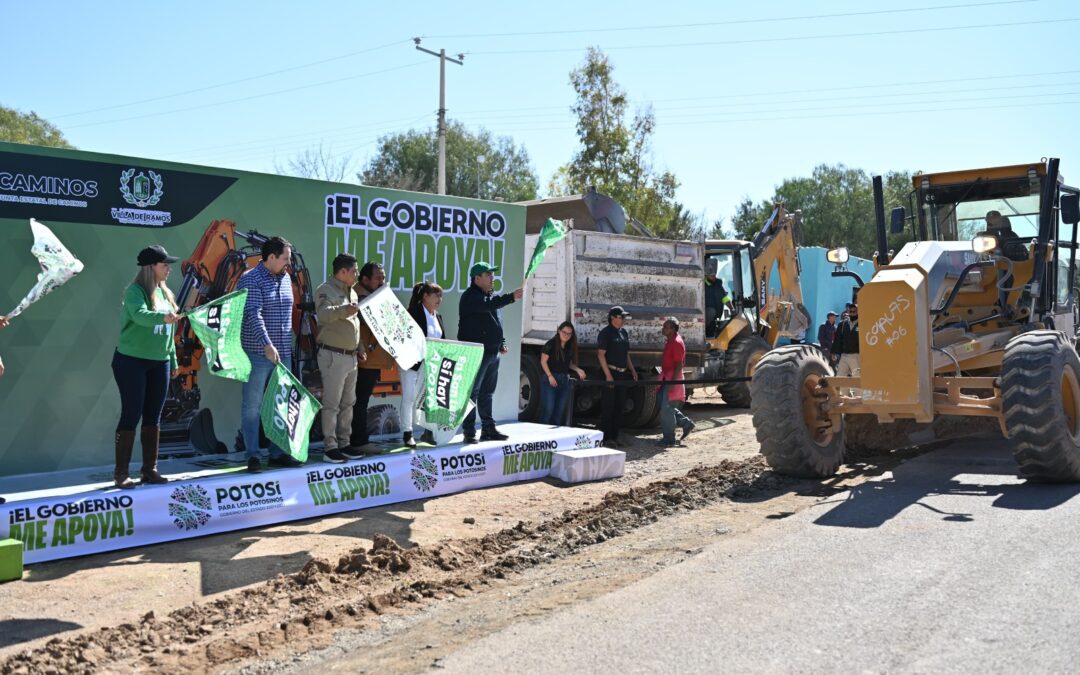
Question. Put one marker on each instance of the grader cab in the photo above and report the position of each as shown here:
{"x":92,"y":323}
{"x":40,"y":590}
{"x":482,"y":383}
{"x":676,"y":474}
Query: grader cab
{"x":977,"y":317}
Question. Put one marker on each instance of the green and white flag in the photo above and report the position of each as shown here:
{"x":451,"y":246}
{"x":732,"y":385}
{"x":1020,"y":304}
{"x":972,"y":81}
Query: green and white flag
{"x":450,"y":369}
{"x":217,"y":325}
{"x":552,"y":232}
{"x":393,"y":327}
{"x":288,"y":411}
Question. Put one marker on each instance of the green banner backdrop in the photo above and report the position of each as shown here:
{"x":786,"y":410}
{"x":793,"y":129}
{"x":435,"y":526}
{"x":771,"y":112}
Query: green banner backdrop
{"x":58,"y":401}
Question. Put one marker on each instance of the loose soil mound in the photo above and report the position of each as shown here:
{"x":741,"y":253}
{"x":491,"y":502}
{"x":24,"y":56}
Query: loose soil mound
{"x":301,"y":610}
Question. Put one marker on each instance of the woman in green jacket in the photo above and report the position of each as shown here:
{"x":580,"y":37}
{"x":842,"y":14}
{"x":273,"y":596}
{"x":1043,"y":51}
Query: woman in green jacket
{"x":142,"y":363}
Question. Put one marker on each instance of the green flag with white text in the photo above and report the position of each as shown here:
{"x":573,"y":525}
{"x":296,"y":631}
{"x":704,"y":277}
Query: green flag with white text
{"x":288,"y":411}
{"x":217,"y":325}
{"x":450,"y":369}
{"x":553,"y":231}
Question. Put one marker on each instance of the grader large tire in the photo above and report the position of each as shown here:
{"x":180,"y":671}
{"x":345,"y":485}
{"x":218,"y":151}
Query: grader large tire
{"x":1040,"y":383}
{"x":786,"y":414}
{"x":741,"y":358}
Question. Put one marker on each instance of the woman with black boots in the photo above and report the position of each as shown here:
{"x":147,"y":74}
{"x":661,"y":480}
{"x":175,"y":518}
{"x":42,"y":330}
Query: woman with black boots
{"x":142,"y":363}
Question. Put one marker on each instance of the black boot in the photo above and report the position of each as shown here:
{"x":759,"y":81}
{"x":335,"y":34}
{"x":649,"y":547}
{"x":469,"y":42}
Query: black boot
{"x":151,"y":439}
{"x":125,"y":442}
{"x":407,"y":439}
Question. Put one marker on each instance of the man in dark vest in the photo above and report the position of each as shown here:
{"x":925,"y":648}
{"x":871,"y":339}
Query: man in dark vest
{"x":479,"y":321}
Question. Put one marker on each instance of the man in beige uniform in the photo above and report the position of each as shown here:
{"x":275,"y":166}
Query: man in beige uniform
{"x":339,"y":337}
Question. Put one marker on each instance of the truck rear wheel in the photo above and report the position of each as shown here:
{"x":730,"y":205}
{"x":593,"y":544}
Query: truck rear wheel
{"x":529,"y":389}
{"x":1040,"y":382}
{"x":796,"y":438}
{"x":741,"y":358}
{"x":643,"y":407}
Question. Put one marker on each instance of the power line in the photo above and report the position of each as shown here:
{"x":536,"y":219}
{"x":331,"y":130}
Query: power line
{"x":274,"y":147}
{"x":828,"y":36}
{"x":879,"y":113}
{"x":248,"y":98}
{"x":804,"y":91}
{"x":733,"y":22}
{"x":351,"y":129}
{"x":915,"y":98}
{"x":829,"y":116}
{"x":231,"y":82}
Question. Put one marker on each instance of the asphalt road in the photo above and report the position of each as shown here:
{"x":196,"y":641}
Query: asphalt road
{"x":948,"y":564}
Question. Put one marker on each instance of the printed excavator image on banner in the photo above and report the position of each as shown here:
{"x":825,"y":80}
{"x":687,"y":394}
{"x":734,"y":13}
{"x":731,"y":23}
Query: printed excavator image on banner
{"x":213,"y":270}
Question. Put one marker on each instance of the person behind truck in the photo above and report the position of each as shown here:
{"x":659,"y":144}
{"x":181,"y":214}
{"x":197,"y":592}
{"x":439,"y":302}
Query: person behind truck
{"x":845,"y":344}
{"x":672,"y":395}
{"x":479,"y":321}
{"x":825,"y":334}
{"x":141,"y":363}
{"x":558,"y":359}
{"x":716,"y":297}
{"x":339,"y":336}
{"x":372,"y":359}
{"x":266,"y":335}
{"x":613,"y":352}
{"x":424,"y":309}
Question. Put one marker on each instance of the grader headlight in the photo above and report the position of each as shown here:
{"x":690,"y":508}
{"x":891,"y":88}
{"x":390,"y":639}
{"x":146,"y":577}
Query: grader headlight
{"x":837,"y":256}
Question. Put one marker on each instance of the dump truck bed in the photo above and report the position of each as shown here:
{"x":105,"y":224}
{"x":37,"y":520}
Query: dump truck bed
{"x":586,"y":273}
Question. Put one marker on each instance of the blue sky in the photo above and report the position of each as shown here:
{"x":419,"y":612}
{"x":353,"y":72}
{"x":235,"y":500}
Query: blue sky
{"x":745,"y":94}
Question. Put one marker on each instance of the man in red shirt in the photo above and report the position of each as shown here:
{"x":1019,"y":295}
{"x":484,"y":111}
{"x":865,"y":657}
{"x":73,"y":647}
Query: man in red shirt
{"x":672,"y":395}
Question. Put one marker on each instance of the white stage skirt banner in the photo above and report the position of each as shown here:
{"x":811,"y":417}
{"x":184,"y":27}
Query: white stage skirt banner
{"x":107,"y":520}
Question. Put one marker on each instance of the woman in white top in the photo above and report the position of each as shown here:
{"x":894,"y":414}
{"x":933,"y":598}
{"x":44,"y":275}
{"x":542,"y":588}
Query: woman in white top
{"x":424,"y":309}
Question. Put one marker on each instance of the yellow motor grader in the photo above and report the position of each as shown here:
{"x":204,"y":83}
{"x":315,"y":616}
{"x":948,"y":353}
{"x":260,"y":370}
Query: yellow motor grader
{"x":976,"y":317}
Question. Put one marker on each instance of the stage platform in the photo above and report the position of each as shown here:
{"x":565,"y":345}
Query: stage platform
{"x":78,"y":512}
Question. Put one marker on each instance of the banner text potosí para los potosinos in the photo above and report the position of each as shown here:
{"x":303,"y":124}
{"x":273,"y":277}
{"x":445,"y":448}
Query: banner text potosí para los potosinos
{"x":99,"y":521}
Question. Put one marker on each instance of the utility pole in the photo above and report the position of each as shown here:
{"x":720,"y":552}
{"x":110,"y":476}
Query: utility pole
{"x":443,"y":58}
{"x":479,"y":163}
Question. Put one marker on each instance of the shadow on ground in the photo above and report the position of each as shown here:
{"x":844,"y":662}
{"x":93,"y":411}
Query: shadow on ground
{"x":17,"y":631}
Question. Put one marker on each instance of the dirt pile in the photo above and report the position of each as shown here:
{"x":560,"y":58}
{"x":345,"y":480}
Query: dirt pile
{"x":301,"y":610}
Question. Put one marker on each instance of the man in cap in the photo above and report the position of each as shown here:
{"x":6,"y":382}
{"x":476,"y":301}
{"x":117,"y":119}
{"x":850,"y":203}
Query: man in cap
{"x":479,"y":321}
{"x":716,"y":296}
{"x":613,"y":352}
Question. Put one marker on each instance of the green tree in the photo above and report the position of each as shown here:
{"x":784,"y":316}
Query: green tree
{"x":29,"y":128}
{"x":837,"y":204}
{"x":615,"y":153}
{"x":477,"y":165}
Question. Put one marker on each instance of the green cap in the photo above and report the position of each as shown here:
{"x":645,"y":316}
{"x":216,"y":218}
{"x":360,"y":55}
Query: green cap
{"x":480,"y":268}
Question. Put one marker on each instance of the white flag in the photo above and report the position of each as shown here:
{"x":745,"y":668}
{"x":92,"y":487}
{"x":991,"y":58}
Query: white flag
{"x":58,"y":266}
{"x":393,"y":327}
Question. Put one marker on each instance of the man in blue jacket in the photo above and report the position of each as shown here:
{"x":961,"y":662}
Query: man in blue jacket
{"x":478,"y":321}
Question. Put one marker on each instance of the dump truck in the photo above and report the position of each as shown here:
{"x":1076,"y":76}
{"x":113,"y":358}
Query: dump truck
{"x":599,"y":265}
{"x":584,"y":275}
{"x":976,"y":318}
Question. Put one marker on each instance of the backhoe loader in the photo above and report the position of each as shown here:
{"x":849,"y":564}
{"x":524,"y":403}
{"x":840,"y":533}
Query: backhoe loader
{"x":755,"y":316}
